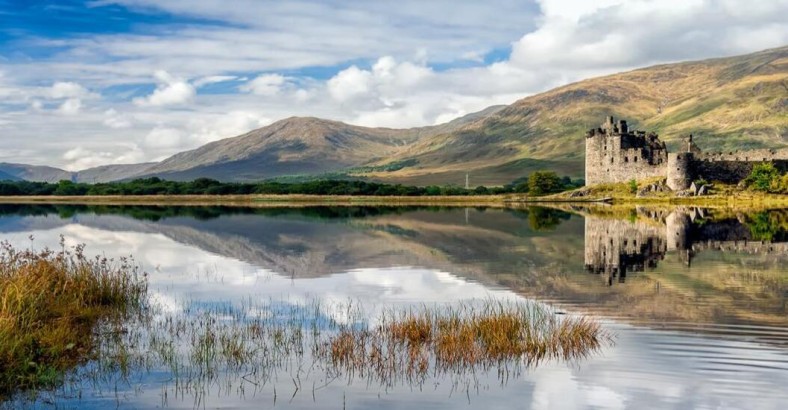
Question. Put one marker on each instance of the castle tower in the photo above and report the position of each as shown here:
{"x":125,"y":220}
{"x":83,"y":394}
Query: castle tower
{"x":677,"y":230}
{"x":679,"y":170}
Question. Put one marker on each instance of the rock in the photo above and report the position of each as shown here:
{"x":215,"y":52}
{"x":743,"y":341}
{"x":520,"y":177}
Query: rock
{"x":579,"y":194}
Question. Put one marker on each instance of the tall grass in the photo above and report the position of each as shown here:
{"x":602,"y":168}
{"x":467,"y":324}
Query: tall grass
{"x":51,"y":303}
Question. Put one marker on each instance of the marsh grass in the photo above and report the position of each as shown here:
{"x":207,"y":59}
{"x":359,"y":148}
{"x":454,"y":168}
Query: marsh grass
{"x":222,"y":351}
{"x":51,"y":305}
{"x":78,"y":323}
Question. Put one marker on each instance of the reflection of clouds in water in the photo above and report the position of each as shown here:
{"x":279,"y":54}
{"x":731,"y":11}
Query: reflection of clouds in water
{"x":645,"y":369}
{"x":180,"y":273}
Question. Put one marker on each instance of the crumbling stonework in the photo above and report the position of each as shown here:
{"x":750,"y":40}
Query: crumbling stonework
{"x":616,"y":154}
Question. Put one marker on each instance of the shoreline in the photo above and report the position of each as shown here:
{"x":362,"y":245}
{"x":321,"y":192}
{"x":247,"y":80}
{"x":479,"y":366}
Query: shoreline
{"x":496,"y":201}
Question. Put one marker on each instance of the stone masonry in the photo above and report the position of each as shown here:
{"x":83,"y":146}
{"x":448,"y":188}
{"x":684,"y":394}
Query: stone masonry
{"x":614,"y":153}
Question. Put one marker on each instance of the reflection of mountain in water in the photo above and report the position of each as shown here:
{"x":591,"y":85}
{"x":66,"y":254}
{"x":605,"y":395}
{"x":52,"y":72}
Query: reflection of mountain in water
{"x":738,"y":261}
{"x":616,"y":247}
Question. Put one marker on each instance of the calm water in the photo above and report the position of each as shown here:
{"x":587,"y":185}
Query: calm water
{"x":696,"y":298}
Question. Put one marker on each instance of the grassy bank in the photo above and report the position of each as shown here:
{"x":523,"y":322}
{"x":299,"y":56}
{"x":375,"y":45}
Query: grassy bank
{"x":259,"y":200}
{"x":51,"y":303}
{"x":720,"y":196}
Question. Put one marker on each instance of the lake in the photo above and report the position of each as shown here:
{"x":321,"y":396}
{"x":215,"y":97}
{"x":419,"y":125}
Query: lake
{"x":696,"y":300}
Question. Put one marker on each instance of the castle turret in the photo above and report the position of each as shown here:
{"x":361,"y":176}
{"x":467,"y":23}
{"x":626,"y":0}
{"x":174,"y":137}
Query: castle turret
{"x":680,"y":170}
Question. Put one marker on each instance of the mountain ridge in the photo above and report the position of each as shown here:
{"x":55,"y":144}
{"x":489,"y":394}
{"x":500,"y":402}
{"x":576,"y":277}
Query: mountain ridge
{"x":727,"y":103}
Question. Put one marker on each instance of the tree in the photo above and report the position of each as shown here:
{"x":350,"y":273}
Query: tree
{"x":544,"y":182}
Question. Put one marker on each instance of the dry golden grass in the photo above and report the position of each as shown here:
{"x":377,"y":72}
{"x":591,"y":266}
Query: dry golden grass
{"x":50,"y":304}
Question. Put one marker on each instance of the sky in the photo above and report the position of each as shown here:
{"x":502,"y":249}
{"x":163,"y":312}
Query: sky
{"x":95,"y":82}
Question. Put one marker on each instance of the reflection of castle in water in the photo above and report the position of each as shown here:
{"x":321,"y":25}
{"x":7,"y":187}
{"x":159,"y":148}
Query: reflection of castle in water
{"x":616,"y":247}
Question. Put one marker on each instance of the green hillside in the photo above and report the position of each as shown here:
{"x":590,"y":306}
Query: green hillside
{"x":728,"y":103}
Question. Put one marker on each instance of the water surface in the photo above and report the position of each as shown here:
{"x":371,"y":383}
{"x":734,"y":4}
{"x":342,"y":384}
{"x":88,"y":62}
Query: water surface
{"x":696,"y":298}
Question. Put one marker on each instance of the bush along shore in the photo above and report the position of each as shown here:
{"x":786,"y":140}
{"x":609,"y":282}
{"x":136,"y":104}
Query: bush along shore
{"x":538,"y":183}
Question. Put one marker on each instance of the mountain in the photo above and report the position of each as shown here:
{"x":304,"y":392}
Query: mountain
{"x":109,"y":173}
{"x":105,"y":173}
{"x":297,"y":146}
{"x":34,"y":172}
{"x":726,"y":103}
{"x":8,"y":177}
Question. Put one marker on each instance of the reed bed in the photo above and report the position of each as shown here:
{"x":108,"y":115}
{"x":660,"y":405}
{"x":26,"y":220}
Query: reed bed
{"x":51,"y":305}
{"x":231,"y":350}
{"x":76,"y":323}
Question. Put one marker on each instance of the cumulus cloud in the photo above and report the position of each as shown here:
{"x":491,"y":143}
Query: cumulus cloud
{"x":116,"y":120}
{"x":80,"y":158}
{"x":163,"y":137}
{"x":170,"y":91}
{"x":265,"y":85}
{"x":316,"y":63}
{"x":70,"y":107}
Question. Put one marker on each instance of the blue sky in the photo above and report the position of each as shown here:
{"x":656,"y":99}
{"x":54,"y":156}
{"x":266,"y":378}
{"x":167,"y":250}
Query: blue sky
{"x":86,"y":83}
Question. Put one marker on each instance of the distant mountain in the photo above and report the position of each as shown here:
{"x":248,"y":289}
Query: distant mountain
{"x":34,"y":172}
{"x":297,"y":146}
{"x":109,"y":173}
{"x":727,"y":103}
{"x":8,"y":177}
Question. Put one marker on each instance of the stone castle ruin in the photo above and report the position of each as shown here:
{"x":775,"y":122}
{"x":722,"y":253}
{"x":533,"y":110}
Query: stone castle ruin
{"x":615,"y":248}
{"x":614,"y":153}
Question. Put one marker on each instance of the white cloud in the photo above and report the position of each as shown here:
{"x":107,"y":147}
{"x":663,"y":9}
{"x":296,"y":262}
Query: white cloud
{"x":80,"y":158}
{"x":116,"y":120}
{"x":164,"y":137}
{"x":265,"y":85}
{"x":429,"y":71}
{"x":170,"y":91}
{"x":350,"y":83}
{"x":67,"y":89}
{"x":70,"y":107}
{"x":213,"y":79}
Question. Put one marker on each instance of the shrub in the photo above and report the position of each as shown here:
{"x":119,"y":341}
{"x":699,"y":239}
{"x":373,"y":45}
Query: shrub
{"x":762,"y":176}
{"x":633,"y":186}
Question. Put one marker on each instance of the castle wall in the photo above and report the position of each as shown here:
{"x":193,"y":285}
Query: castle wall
{"x":611,"y":159}
{"x":732,"y":167}
{"x":614,"y":154}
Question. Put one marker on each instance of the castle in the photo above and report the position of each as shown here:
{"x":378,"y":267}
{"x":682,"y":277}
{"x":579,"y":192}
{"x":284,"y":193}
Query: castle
{"x":614,"y":153}
{"x":614,"y":248}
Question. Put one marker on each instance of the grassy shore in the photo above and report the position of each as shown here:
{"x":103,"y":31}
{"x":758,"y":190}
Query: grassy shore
{"x":259,"y":200}
{"x":720,"y":196}
{"x":616,"y":193}
{"x":51,"y":303}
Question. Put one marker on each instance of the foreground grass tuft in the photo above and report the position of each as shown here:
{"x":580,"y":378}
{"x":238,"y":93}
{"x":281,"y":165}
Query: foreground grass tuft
{"x":51,"y":304}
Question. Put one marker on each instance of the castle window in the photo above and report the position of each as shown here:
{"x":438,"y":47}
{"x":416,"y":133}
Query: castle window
{"x":636,"y":159}
{"x":626,"y":159}
{"x":678,"y":156}
{"x":611,"y":160}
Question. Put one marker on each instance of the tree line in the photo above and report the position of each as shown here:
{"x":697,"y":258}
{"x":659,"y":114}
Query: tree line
{"x":538,"y":183}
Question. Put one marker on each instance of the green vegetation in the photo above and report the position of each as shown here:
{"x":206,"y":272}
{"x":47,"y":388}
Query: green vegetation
{"x":51,"y":303}
{"x":767,"y":178}
{"x":542,"y":182}
{"x":633,"y":186}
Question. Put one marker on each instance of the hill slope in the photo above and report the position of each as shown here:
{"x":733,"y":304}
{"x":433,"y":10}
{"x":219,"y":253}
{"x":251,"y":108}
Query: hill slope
{"x":727,"y":103}
{"x":297,"y":146}
{"x":34,"y":172}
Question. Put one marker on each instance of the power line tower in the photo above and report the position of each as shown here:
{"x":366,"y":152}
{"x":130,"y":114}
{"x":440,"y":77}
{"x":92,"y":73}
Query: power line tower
{"x":467,"y":181}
